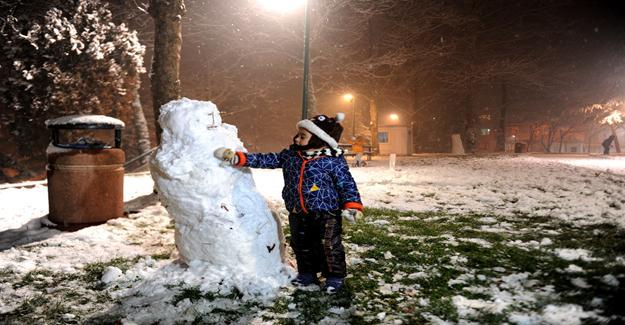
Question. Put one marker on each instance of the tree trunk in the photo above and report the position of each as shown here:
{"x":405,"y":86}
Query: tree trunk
{"x":167,"y":16}
{"x":141,"y":128}
{"x":531,"y":138}
{"x":562,"y":136}
{"x":373,"y":126}
{"x":617,"y":145}
{"x":589,"y":131}
{"x":551,"y":130}
{"x":469,"y":132}
{"x":503,"y":109}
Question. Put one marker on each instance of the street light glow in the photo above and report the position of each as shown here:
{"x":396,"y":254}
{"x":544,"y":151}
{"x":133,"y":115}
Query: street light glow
{"x":348,"y":97}
{"x":281,"y":6}
{"x":394,"y":117}
{"x":616,"y":117}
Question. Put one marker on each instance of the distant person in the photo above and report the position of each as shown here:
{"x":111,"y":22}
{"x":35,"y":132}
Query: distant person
{"x":358,"y":149}
{"x":607,"y":143}
{"x":318,"y":191}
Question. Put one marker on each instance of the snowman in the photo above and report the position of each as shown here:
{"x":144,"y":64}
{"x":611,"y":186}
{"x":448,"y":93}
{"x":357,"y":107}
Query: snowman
{"x":220,"y":218}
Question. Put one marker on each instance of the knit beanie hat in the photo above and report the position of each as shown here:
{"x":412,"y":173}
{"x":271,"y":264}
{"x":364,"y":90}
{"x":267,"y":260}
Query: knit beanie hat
{"x":325,"y":130}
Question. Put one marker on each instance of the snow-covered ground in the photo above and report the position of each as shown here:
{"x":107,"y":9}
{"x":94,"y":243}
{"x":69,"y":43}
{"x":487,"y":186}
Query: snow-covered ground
{"x":582,"y":190}
{"x":587,"y":189}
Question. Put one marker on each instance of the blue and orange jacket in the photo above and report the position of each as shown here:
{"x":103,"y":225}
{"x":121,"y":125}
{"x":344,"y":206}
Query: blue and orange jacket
{"x":317,"y":184}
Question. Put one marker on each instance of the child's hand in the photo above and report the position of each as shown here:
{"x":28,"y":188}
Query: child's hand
{"x":227,"y":155}
{"x":351,"y":215}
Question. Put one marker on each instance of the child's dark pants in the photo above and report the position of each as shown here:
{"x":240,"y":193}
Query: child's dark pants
{"x":316,"y":241}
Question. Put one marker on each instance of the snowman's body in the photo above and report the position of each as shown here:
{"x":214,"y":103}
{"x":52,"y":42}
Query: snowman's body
{"x":220,"y":217}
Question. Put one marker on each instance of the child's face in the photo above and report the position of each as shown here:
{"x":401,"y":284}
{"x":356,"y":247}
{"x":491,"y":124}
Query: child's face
{"x":302,"y":137}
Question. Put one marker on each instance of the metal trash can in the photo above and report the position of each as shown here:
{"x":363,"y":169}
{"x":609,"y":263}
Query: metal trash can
{"x":85,"y":170}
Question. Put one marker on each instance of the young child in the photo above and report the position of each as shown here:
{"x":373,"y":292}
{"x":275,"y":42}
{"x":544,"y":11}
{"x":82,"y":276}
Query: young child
{"x":318,"y":191}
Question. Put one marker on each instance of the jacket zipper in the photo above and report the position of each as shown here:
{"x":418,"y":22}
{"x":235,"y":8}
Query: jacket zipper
{"x":301,"y":181}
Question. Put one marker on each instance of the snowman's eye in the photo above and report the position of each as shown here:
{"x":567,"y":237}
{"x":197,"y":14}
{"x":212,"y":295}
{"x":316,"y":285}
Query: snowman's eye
{"x":321,"y":118}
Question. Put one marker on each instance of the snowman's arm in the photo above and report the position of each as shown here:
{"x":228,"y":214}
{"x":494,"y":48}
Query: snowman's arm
{"x":261,"y":160}
{"x":345,"y":185}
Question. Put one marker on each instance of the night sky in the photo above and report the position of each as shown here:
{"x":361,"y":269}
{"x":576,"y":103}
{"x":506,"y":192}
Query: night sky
{"x":438,"y":65}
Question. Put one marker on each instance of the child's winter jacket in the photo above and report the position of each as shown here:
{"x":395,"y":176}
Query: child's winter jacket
{"x":318,"y":184}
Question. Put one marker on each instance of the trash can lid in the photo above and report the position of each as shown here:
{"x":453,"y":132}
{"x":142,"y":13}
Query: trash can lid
{"x":85,"y":122}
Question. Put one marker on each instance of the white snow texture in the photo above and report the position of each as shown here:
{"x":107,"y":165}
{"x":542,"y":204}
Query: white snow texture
{"x":221,"y":219}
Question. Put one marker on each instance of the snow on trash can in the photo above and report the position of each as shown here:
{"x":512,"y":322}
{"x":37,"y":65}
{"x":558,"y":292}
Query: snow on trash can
{"x":85,"y":169}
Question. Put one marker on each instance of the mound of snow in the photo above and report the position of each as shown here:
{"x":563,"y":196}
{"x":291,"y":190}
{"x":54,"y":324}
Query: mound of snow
{"x":222,"y":222}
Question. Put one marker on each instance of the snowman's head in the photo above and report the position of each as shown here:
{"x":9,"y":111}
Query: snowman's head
{"x":186,"y":118}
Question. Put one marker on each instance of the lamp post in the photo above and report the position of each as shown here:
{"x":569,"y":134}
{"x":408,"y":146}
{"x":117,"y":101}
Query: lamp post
{"x":306,"y":62}
{"x":286,"y":5}
{"x":350,"y":98}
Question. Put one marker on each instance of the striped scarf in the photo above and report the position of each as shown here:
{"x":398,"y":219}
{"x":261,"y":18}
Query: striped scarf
{"x":330,"y":152}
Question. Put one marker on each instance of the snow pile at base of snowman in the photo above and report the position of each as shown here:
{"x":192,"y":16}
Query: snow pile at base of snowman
{"x":221,"y":220}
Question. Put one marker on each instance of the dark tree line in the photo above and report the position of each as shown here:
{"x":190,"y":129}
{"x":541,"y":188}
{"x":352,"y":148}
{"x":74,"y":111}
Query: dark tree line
{"x":434,"y":62}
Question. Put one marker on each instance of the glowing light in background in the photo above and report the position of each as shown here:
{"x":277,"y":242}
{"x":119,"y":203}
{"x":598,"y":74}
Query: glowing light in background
{"x":394,"y":117}
{"x":282,"y":6}
{"x":348,"y":97}
{"x":616,"y":117}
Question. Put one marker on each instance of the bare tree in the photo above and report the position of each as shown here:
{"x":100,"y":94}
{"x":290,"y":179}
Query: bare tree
{"x":497,"y":48}
{"x":135,"y":15}
{"x":368,"y":48}
{"x":609,"y":113}
{"x":141,"y":128}
{"x":534,"y":130}
{"x":165,"y":71}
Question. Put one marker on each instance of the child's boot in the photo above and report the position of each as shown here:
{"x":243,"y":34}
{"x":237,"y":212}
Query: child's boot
{"x":305,"y":279}
{"x":333,"y":285}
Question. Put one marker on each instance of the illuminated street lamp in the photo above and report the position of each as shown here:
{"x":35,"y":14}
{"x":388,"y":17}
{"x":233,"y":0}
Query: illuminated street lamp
{"x":283,"y":6}
{"x":350,"y":98}
{"x":394,"y":117}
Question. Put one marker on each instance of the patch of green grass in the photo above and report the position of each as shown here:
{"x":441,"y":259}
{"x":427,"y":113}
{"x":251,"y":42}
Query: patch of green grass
{"x":161,"y":256}
{"x":27,"y":312}
{"x":234,"y":294}
{"x":42,"y":278}
{"x":49,"y":306}
{"x":30,"y":305}
{"x":6,"y":275}
{"x":445,"y":256}
{"x":55,"y":310}
{"x":191,"y":293}
{"x":57,"y":292}
{"x":102,"y":297}
{"x":280,"y":306}
{"x":39,"y":278}
{"x":440,"y":237}
{"x":313,"y":305}
{"x":92,"y":273}
{"x":40,"y":309}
